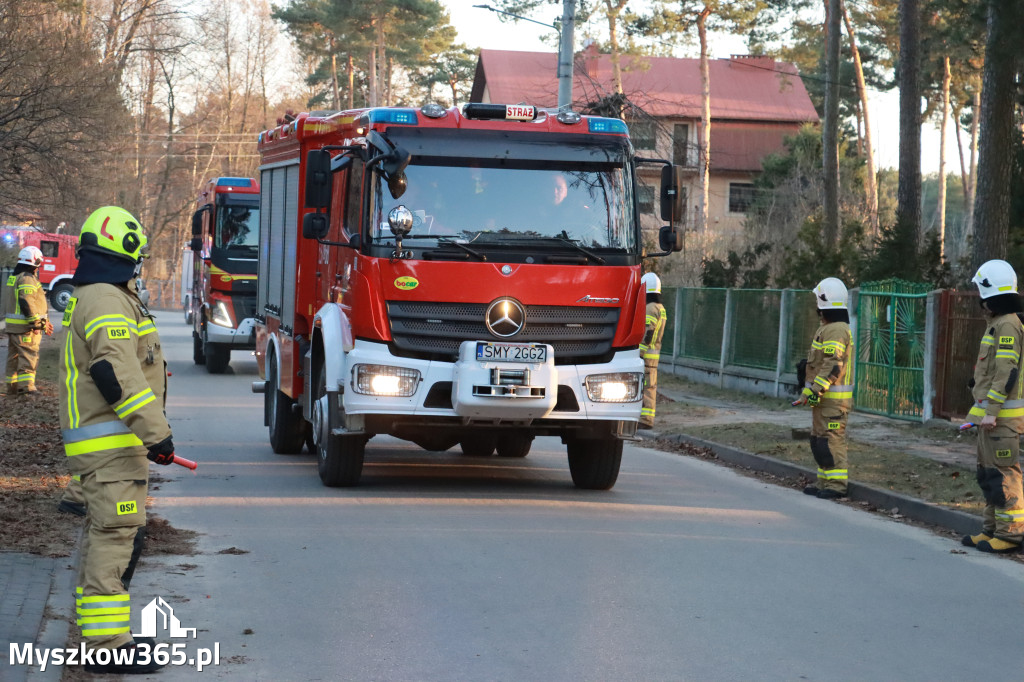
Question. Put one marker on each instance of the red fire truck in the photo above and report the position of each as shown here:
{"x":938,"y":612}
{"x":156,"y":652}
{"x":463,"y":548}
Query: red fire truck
{"x":59,"y":260}
{"x":225,"y":241}
{"x":453,"y":277}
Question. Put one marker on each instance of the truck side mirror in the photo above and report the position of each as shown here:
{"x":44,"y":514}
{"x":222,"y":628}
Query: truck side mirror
{"x":670,"y":239}
{"x":671,"y":194}
{"x":197,"y":223}
{"x":315,"y":225}
{"x":196,"y":244}
{"x":318,"y":179}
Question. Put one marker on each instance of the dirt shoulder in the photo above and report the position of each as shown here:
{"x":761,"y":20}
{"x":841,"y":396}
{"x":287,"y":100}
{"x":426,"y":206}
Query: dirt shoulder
{"x":33,"y":470}
{"x":934,"y":462}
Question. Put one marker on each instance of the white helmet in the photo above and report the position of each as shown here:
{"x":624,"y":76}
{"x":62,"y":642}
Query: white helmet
{"x":30,"y":255}
{"x":994,"y":278}
{"x":831,"y":294}
{"x":652,"y":282}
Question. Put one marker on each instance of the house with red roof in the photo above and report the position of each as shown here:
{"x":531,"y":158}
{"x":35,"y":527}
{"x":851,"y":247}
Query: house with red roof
{"x":756,"y":102}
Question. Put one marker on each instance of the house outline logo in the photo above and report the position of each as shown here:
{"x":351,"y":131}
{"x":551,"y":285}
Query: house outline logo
{"x":160,"y":610}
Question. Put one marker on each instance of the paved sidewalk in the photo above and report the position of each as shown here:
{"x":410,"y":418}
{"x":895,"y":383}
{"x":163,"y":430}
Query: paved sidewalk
{"x":28,"y":584}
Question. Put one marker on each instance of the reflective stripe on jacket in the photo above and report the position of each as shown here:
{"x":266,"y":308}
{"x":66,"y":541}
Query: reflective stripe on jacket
{"x":830,"y":365}
{"x":654,"y":331}
{"x":109,"y":324}
{"x":24,"y":289}
{"x":998,"y":389}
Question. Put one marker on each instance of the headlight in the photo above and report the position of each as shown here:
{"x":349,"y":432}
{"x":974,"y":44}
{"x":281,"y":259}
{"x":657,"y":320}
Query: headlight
{"x":385,"y":380}
{"x":623,"y":387}
{"x":220,"y":315}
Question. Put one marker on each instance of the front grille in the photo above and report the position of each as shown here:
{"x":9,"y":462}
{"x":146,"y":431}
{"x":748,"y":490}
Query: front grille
{"x":436,"y":330}
{"x":245,"y":306}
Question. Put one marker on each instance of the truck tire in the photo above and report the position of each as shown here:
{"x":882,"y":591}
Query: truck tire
{"x":479,"y":444}
{"x":197,"y":350}
{"x":594,"y":462}
{"x":217,"y":355}
{"x":287,"y":429}
{"x":60,"y":296}
{"x":514,"y":445}
{"x":339,"y":459}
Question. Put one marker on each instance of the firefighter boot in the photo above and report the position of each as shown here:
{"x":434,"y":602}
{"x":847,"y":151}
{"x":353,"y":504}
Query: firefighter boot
{"x":973,"y":540}
{"x":829,"y":494}
{"x":812,"y":490}
{"x":997,"y":546}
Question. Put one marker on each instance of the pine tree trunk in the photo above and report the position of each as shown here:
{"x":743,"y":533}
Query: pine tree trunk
{"x":371,"y":67}
{"x":870,"y":174}
{"x":704,"y":139}
{"x":830,"y":126}
{"x":334,"y":77}
{"x":612,"y":12}
{"x":992,"y":204}
{"x":908,"y":194}
{"x":350,"y":69}
{"x":946,"y":77}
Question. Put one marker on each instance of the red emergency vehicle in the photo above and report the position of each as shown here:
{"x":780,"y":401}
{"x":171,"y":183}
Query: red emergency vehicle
{"x":225,"y":241}
{"x":59,"y":260}
{"x":453,"y":277}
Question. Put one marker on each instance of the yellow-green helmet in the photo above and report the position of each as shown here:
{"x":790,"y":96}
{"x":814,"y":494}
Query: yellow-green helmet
{"x":116,"y":231}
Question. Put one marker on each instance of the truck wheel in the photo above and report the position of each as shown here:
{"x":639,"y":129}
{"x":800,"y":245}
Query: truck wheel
{"x":217,"y":355}
{"x":479,"y":445}
{"x":60,"y":296}
{"x":514,"y":445}
{"x":339,"y":458}
{"x":287,"y":429}
{"x":594,"y":463}
{"x":197,"y":350}
{"x":187,"y":306}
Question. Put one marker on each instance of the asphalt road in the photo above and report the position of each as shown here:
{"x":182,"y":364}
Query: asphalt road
{"x":449,"y":568}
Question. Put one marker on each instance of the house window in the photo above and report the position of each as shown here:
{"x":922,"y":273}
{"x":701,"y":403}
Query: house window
{"x":643,"y":135}
{"x":645,"y":198}
{"x":49,"y":248}
{"x":741,"y":196}
{"x":681,"y":144}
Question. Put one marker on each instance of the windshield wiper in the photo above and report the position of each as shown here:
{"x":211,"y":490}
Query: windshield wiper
{"x":462,"y":246}
{"x":563,"y":238}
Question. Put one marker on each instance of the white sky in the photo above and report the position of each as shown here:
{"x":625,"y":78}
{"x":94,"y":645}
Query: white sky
{"x":481,"y":28}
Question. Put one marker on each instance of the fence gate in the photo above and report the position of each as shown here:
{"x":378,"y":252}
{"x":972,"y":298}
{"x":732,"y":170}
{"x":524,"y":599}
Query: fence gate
{"x":890,"y":348}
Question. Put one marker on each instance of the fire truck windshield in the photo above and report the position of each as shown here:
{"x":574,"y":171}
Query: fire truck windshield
{"x":529,"y":204}
{"x":238,"y":229}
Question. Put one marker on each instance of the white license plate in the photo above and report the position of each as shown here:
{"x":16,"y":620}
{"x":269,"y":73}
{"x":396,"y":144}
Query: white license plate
{"x":511,"y":352}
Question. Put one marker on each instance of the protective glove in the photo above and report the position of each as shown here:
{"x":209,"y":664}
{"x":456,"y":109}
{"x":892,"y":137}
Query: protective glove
{"x":162,"y":453}
{"x":807,"y":397}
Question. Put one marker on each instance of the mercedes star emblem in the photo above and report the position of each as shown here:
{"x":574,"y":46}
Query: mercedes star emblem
{"x":505,"y":317}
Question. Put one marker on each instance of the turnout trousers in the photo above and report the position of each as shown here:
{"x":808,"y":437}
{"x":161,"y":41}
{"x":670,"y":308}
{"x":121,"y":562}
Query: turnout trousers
{"x":22,"y":358}
{"x":110,"y":547}
{"x":828,"y":445}
{"x":999,"y":476}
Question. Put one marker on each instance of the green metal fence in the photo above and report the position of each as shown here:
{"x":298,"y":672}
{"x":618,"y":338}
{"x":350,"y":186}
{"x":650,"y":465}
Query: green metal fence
{"x":889,"y":376}
{"x":754,"y":328}
{"x":702,"y":317}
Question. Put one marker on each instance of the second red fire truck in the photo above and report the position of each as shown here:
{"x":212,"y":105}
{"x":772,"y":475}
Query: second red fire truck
{"x":225,"y":245}
{"x":453,"y":277}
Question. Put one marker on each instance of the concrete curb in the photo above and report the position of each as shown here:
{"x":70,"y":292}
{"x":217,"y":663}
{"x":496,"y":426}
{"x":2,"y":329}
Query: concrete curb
{"x":909,"y":507}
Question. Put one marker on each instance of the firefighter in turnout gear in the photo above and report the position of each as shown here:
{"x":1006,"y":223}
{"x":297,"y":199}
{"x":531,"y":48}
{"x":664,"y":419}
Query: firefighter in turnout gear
{"x":827,"y":376}
{"x":650,"y":347}
{"x":25,"y":305}
{"x":113,"y":381}
{"x":998,"y":411}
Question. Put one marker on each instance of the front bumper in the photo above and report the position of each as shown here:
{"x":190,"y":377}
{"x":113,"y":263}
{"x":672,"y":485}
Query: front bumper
{"x":243,"y":338}
{"x":455,"y":394}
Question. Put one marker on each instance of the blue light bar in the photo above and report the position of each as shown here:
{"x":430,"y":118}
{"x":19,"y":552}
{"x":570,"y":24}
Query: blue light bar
{"x":401,"y":116}
{"x":607,"y":125}
{"x":234,"y":182}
